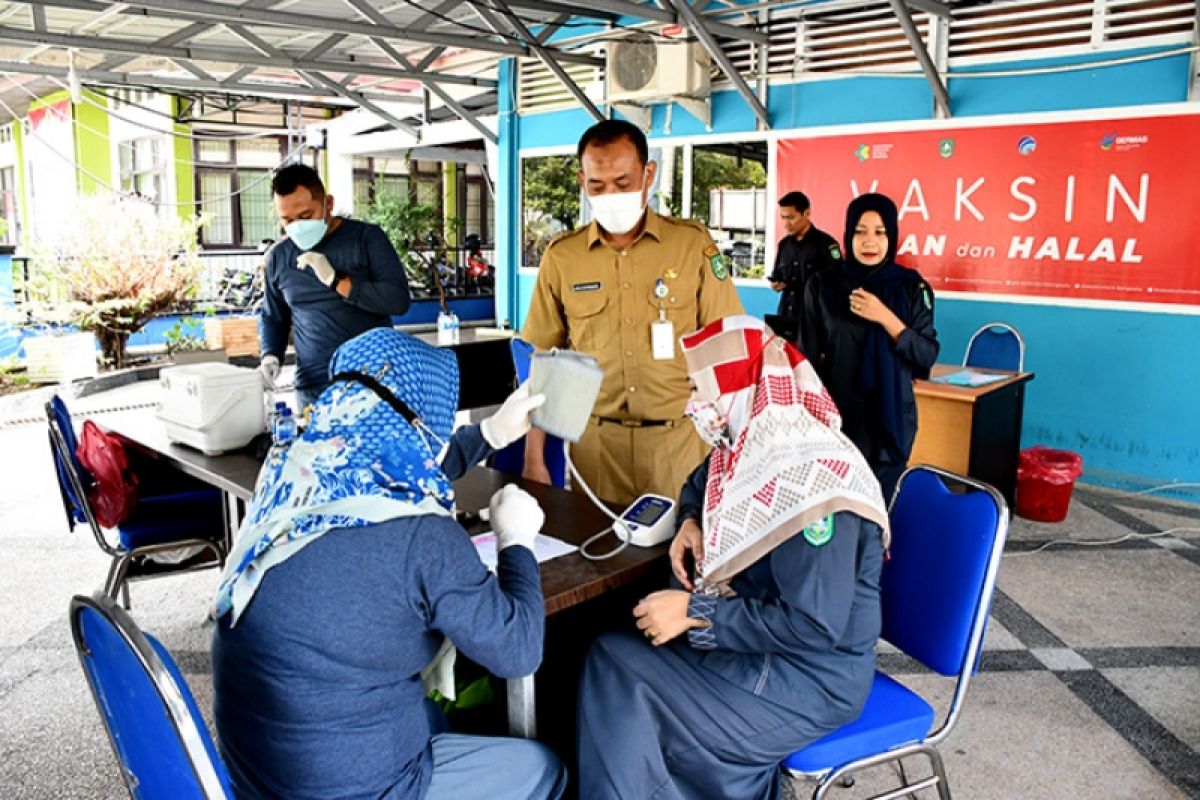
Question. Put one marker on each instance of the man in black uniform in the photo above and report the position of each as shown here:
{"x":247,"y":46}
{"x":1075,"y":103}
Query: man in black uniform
{"x":805,"y":251}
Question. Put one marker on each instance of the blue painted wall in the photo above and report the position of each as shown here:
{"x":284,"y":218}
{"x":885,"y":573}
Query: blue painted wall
{"x":1119,"y":387}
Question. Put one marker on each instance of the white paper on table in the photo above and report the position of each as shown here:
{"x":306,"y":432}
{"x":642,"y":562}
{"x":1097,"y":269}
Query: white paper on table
{"x":544,"y":548}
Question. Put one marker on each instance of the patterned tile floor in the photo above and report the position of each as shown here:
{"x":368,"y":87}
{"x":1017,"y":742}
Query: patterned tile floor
{"x":1089,"y":685}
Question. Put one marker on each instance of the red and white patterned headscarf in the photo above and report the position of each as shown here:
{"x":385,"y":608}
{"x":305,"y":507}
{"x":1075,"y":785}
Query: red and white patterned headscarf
{"x":789,"y":464}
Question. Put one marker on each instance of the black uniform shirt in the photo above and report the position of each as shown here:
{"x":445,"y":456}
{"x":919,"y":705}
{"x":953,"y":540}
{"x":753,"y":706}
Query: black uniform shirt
{"x":833,"y":338}
{"x":797,"y":260}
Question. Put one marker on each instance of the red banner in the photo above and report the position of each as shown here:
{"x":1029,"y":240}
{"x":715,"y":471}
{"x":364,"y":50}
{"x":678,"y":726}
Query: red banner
{"x":1101,"y":209}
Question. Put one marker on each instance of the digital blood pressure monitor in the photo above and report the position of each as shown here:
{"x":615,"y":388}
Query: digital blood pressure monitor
{"x":650,"y":519}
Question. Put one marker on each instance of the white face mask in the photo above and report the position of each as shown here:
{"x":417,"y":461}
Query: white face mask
{"x":617,"y":212}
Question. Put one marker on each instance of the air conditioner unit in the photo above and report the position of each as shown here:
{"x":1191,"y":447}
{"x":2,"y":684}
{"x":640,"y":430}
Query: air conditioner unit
{"x":643,"y":69}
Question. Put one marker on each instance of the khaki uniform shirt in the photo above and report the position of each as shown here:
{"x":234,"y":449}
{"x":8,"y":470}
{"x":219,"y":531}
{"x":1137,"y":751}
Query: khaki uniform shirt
{"x":599,"y":300}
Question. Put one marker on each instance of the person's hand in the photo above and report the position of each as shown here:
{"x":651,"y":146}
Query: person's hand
{"x":515,"y":516}
{"x":688,"y":539}
{"x":869,"y":307}
{"x":319,"y":265}
{"x":778,"y":285}
{"x":661,"y":616}
{"x":512,"y":421}
{"x":872,"y":309}
{"x":268,"y":368}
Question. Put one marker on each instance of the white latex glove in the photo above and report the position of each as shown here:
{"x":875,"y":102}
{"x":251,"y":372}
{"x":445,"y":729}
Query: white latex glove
{"x":268,"y":368}
{"x":515,"y":516}
{"x":320,"y":266}
{"x":512,"y":421}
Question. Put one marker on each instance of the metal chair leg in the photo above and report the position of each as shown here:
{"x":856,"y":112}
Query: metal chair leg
{"x":939,"y":769}
{"x":125,"y":595}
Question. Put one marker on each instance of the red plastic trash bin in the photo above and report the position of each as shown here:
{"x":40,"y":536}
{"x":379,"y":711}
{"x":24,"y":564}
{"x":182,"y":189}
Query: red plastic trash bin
{"x":1045,"y":479}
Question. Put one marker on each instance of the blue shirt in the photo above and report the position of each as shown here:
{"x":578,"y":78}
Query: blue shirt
{"x":319,"y":318}
{"x":318,"y":691}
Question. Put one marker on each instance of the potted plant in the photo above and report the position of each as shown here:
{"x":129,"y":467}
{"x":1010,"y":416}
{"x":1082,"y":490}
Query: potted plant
{"x":186,"y":346}
{"x":116,"y":263}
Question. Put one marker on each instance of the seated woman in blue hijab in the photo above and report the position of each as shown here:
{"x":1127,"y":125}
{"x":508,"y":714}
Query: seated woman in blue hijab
{"x":349,"y":575}
{"x":771,"y":644}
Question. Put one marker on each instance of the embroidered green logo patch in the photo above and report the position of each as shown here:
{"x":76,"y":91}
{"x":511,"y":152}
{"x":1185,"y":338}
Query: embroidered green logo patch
{"x":718,"y":267}
{"x":820,"y":532}
{"x":835,"y":251}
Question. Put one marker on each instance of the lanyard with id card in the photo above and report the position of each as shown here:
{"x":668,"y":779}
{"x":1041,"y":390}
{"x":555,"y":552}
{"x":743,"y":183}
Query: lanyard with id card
{"x":662,"y":331}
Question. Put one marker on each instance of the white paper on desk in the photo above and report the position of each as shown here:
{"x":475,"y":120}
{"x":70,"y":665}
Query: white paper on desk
{"x":969,"y":377}
{"x":544,"y":548}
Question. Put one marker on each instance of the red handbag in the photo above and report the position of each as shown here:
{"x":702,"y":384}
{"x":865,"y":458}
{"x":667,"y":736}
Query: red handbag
{"x":114,"y":493}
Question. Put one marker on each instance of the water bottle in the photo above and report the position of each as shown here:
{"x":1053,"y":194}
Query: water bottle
{"x":284,"y":429}
{"x":447,"y":328}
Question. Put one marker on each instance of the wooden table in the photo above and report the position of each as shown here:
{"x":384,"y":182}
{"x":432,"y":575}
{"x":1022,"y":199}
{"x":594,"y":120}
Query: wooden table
{"x":973,"y":431}
{"x":566,"y":581}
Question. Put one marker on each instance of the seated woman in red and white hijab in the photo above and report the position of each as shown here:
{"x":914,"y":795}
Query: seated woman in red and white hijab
{"x":770,"y":644}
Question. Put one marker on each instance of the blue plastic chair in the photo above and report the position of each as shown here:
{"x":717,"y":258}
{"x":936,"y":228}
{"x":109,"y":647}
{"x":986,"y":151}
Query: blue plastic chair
{"x":153,"y":723}
{"x":183,"y":515}
{"x":512,"y":458}
{"x":996,"y":345}
{"x":936,"y":591}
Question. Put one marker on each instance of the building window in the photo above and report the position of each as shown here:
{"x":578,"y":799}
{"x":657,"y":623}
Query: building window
{"x":233,"y":184}
{"x":477,"y":209}
{"x":143,"y":170}
{"x":376,"y":176}
{"x":8,"y":206}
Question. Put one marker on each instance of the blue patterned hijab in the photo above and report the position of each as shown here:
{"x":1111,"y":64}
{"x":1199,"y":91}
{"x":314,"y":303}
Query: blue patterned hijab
{"x":358,"y":462}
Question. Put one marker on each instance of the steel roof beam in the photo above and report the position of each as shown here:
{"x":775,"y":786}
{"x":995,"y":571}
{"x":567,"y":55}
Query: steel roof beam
{"x":704,"y":33}
{"x":544,"y":55}
{"x":941,"y":97}
{"x":127,"y":79}
{"x":227,"y":56}
{"x":357,"y":97}
{"x":221,"y":12}
{"x":628,"y":9}
{"x":371,"y":13}
{"x":934,"y":7}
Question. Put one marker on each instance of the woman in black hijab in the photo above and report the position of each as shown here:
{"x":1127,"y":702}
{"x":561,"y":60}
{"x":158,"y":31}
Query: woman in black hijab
{"x":868,"y":329}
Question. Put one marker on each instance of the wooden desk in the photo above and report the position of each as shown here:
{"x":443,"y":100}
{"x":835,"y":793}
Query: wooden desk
{"x":973,"y":431}
{"x":566,"y":581}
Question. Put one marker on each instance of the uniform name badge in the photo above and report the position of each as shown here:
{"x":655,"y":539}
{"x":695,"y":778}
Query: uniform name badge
{"x":662,"y":339}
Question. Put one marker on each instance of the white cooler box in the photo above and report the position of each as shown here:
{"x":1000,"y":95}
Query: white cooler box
{"x":212,"y":407}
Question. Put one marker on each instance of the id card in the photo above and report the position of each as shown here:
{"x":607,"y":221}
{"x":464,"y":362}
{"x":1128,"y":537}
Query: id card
{"x":662,"y":340}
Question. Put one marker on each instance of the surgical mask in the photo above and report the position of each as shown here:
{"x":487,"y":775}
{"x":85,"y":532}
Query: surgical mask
{"x":306,"y":233}
{"x":711,"y":425}
{"x":618,"y":212}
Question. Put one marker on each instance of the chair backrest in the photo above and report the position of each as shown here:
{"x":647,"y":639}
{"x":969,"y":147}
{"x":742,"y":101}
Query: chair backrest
{"x":72,"y":477}
{"x":152,"y":720}
{"x":996,"y":345}
{"x":936,"y":587}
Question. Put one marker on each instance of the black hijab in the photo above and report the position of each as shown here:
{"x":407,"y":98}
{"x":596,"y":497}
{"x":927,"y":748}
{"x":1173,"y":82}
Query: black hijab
{"x":879,"y":374}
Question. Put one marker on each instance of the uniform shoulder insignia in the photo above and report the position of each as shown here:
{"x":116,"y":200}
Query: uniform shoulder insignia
{"x":835,"y":251}
{"x":716,"y":262}
{"x":926,"y":295}
{"x":564,"y":236}
{"x":820,"y":532}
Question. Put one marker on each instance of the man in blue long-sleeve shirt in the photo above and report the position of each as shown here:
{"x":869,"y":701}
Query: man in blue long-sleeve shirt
{"x":328,"y":281}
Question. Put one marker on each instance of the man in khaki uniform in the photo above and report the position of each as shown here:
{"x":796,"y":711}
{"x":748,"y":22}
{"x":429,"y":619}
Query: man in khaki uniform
{"x":624,"y":288}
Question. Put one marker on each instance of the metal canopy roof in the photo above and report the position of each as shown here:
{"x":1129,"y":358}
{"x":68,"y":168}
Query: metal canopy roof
{"x":407,"y":61}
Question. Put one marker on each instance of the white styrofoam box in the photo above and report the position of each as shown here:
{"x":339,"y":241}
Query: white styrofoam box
{"x":60,"y":359}
{"x":212,"y":407}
